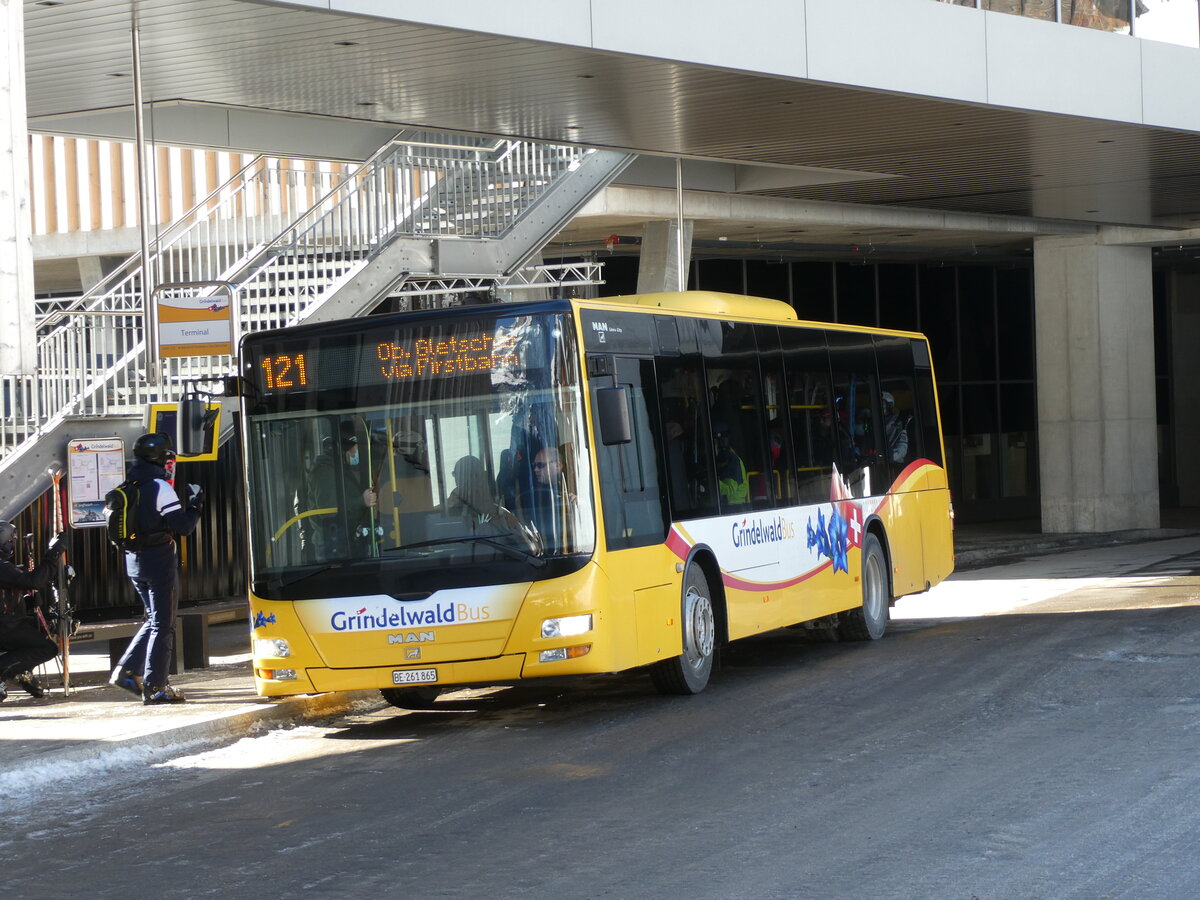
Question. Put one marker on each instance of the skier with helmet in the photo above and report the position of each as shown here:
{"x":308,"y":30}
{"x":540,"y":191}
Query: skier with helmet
{"x":154,"y":570}
{"x":23,"y":644}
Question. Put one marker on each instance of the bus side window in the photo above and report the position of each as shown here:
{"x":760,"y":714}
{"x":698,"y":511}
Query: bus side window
{"x":781,"y":474}
{"x":926,"y":428}
{"x":635,"y":512}
{"x":686,"y":445}
{"x":859,"y":457}
{"x":810,"y":407}
{"x":901,"y":437}
{"x":738,"y":421}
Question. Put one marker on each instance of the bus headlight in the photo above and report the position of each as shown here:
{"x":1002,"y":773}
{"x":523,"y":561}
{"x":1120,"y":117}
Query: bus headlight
{"x":276,"y":674}
{"x":273,"y":648}
{"x":567,"y":626}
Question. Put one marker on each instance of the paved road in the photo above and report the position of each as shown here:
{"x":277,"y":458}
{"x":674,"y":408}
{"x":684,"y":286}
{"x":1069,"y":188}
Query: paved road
{"x":1034,"y":736}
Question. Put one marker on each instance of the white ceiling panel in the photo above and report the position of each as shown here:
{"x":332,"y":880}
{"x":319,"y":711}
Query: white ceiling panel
{"x":895,"y":149}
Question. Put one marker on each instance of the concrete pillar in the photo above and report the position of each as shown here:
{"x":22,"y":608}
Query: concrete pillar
{"x":1185,"y":372}
{"x":659,"y":265}
{"x":91,"y":272}
{"x":17,"y":331}
{"x":1096,"y":414}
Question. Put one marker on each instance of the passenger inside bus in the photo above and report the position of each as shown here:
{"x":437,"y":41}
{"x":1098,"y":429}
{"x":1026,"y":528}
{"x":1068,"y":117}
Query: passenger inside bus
{"x":733,"y":484}
{"x":339,"y":481}
{"x":553,"y":500}
{"x":689,"y":463}
{"x":514,"y":476}
{"x":678,"y":476}
{"x":472,"y":497}
{"x":895,"y":430}
{"x":405,"y":485}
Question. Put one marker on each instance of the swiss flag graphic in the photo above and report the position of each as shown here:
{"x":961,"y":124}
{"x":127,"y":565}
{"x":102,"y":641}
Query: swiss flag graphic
{"x":840,"y":495}
{"x":854,"y":524}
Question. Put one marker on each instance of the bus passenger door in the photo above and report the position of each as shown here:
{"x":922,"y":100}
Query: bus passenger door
{"x":634,"y":509}
{"x":630,"y":479}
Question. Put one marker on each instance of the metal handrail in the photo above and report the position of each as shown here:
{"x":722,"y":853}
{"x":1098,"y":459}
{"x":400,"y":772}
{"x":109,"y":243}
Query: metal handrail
{"x":91,"y":352}
{"x":174,"y":233}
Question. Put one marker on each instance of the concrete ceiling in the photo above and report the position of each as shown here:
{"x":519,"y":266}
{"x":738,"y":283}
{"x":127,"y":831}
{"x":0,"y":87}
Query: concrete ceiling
{"x":235,"y":72}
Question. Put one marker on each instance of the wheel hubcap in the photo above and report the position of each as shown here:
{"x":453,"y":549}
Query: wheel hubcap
{"x":872,"y":587}
{"x":699,"y":632}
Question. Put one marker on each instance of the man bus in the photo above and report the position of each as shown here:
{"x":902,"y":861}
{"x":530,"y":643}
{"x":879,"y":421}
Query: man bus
{"x":626,"y":549}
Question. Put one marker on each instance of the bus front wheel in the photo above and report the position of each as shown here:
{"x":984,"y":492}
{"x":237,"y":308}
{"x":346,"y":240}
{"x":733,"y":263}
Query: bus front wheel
{"x":869,"y":621}
{"x":688,"y":672}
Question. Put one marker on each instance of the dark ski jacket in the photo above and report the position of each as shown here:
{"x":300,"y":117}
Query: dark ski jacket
{"x":14,"y":581}
{"x":160,"y":510}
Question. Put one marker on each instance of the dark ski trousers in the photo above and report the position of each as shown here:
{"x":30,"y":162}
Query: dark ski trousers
{"x":154,"y":572}
{"x":23,"y":646}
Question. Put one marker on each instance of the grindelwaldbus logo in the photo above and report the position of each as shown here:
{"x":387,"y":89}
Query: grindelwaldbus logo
{"x":752,"y":533}
{"x":366,"y":619}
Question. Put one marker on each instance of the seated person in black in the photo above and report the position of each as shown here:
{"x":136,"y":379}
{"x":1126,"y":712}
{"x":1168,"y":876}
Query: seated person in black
{"x":472,"y":497}
{"x":23,"y":644}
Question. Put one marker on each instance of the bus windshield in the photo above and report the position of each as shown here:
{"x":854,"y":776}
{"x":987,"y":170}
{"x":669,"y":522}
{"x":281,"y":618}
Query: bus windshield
{"x":445,"y":451}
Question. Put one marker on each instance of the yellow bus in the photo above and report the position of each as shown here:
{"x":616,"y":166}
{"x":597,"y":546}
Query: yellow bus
{"x":490,"y":493}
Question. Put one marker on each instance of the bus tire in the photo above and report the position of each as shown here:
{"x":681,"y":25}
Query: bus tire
{"x":869,"y":621}
{"x":411,"y":698}
{"x":688,"y":672}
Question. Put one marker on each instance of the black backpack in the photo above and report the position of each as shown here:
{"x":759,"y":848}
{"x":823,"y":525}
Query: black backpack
{"x":121,"y":515}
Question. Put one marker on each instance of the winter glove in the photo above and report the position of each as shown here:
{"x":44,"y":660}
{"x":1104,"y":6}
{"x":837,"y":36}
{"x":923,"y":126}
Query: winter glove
{"x":57,"y":546}
{"x":196,"y":501}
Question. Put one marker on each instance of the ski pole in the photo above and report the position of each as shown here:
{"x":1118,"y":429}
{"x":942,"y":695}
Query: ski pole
{"x":60,"y":587}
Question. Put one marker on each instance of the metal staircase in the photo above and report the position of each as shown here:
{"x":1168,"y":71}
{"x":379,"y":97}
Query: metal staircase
{"x":426,"y":211}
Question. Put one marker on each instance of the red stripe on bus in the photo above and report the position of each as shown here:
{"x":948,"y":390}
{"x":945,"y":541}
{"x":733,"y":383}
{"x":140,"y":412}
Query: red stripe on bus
{"x":677,"y":545}
{"x":734,"y":582}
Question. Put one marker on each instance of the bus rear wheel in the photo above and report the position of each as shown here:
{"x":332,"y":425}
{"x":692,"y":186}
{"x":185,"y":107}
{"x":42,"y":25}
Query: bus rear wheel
{"x":869,"y":621}
{"x":411,"y":698}
{"x":688,"y":672}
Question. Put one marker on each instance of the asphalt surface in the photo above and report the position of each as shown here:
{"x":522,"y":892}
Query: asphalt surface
{"x":1039,"y":746}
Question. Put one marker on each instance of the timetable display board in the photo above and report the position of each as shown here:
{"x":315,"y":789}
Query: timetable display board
{"x":94,"y":467}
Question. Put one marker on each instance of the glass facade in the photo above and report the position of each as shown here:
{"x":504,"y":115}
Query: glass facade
{"x":1170,"y":21}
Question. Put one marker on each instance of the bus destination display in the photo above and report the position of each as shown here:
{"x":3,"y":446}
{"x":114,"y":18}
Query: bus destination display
{"x":454,"y":356}
{"x":408,"y":359}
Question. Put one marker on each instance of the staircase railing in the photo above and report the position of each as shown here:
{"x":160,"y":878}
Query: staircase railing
{"x":93,"y":341}
{"x":91,"y":352}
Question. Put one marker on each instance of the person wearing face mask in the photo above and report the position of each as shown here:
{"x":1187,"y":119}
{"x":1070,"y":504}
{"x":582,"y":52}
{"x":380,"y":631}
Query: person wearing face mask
{"x":163,"y":518}
{"x":341,"y":491}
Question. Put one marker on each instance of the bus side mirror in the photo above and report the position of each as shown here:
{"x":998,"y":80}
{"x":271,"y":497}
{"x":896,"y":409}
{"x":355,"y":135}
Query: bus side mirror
{"x":612,"y":410}
{"x":194,"y":423}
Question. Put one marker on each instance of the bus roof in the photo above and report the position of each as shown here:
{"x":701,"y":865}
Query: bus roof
{"x":701,"y":304}
{"x":736,"y":307}
{"x":711,"y":303}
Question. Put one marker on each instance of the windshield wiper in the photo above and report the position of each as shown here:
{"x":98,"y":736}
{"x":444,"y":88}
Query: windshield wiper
{"x":278,"y":581}
{"x":514,"y":552}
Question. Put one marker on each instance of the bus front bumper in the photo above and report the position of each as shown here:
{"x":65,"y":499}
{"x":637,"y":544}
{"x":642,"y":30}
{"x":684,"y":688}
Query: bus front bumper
{"x":321,"y":680}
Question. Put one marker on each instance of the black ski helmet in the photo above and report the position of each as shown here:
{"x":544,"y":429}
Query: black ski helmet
{"x":153,"y":448}
{"x":8,"y":541}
